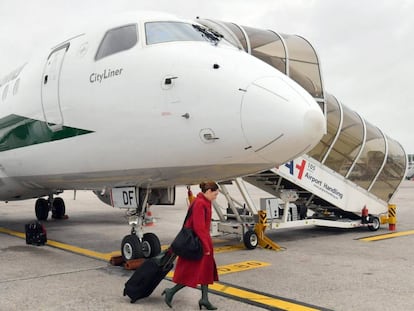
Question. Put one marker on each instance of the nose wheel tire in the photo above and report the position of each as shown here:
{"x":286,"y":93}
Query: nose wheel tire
{"x":151,"y":245}
{"x":131,"y":247}
{"x":250,"y":239}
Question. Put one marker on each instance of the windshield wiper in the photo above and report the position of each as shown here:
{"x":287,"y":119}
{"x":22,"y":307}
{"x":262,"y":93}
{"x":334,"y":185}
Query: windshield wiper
{"x":209,"y":34}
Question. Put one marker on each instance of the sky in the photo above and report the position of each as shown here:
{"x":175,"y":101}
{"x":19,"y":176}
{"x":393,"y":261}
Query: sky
{"x":365,"y":47}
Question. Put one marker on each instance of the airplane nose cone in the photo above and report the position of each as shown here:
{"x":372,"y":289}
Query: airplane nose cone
{"x":314,"y":124}
{"x":279,"y":119}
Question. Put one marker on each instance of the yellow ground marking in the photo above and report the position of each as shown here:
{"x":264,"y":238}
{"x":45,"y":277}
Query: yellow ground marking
{"x":14,"y":233}
{"x":259,"y":298}
{"x":71,"y":248}
{"x":79,"y":250}
{"x":241,"y":266}
{"x":115,"y":253}
{"x":217,"y":250}
{"x":236,"y":267}
{"x":243,"y":294}
{"x":387,"y":236}
{"x":225,"y":289}
{"x":164,"y":247}
{"x":218,"y":240}
{"x":228,"y":248}
{"x":104,"y":256}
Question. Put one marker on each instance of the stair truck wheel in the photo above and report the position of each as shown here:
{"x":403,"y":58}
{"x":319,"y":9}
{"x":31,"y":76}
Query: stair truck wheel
{"x":375,"y":224}
{"x":250,"y":239}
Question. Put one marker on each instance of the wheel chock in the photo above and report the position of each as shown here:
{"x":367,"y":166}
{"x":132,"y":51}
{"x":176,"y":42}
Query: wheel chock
{"x":133,"y":264}
{"x":260,"y":228}
{"x":116,"y":260}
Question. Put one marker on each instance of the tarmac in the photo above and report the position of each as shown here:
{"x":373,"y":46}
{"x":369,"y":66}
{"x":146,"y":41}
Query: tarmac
{"x":319,"y":268}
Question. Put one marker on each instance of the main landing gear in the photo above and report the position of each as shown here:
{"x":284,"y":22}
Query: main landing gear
{"x":137,"y":244}
{"x":43,"y":206}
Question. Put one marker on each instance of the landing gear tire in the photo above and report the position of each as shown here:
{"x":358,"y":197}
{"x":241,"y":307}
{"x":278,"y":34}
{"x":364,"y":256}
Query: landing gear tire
{"x":250,"y":239}
{"x":42,"y":209}
{"x":151,"y":245}
{"x":58,"y":208}
{"x":374,"y":224}
{"x":131,"y":247}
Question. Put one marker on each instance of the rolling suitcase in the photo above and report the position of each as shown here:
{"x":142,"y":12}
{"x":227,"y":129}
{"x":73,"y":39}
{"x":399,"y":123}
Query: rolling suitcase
{"x":147,"y":277}
{"x":35,"y":234}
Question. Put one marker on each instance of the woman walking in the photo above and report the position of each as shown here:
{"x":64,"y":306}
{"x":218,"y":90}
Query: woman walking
{"x":204,"y":271}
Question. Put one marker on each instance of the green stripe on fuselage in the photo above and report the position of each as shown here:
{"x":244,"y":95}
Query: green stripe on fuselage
{"x":17,"y":132}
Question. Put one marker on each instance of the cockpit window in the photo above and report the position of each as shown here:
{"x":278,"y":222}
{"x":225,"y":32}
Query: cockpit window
{"x":158,"y":32}
{"x":117,"y":40}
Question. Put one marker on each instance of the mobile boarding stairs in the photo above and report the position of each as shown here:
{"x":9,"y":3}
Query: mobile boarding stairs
{"x":311,"y":193}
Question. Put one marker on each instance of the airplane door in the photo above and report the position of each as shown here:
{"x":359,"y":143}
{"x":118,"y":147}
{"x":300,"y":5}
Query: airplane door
{"x":50,"y":88}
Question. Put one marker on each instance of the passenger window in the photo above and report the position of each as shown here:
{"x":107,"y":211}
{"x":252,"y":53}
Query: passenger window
{"x":117,"y":40}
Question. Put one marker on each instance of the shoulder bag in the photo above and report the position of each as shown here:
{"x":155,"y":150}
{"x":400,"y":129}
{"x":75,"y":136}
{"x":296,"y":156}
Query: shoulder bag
{"x":187,"y":244}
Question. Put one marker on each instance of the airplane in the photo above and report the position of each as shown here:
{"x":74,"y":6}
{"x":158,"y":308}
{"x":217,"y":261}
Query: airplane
{"x":137,"y":104}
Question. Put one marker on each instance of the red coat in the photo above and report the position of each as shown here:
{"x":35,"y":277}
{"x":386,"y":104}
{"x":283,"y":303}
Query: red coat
{"x":203,"y":271}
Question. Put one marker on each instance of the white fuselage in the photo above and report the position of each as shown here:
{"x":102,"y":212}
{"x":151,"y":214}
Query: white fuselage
{"x":154,"y":114}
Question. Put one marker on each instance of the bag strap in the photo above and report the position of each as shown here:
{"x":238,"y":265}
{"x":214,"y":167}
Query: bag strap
{"x":189,"y":213}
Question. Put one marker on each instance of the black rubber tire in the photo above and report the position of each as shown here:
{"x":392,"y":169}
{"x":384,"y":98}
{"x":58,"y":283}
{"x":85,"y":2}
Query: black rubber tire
{"x":250,"y":239}
{"x":58,"y":208}
{"x":42,"y":209}
{"x":131,"y":247}
{"x":151,"y":245}
{"x":374,"y":224}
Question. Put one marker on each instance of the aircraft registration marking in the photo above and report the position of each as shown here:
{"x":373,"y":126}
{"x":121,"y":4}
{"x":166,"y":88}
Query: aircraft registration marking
{"x":387,"y":236}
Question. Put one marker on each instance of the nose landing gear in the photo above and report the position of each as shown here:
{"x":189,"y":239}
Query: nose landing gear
{"x":137,"y":244}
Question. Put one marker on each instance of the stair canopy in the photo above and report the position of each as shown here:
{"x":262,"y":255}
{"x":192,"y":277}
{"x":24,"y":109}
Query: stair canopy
{"x":352,"y":147}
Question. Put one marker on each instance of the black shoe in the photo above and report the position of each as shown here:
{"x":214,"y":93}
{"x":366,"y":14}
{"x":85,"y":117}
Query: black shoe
{"x":207,"y":304}
{"x":168,"y":296}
